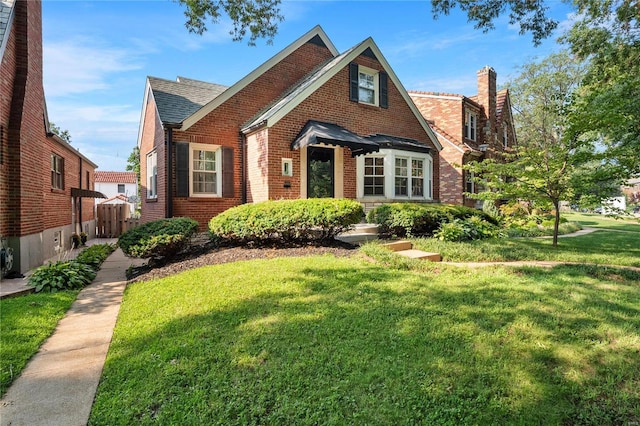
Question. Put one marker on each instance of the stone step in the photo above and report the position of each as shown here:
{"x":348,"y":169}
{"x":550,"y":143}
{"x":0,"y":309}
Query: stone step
{"x":399,"y":245}
{"x":419,"y":254}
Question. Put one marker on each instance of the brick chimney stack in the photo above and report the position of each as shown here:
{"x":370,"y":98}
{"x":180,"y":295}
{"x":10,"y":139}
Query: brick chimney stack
{"x":487,"y":97}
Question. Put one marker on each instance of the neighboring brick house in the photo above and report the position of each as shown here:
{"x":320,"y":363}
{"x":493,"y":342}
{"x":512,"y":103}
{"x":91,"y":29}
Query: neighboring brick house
{"x":469,"y":128}
{"x":309,"y":122}
{"x":118,"y":187}
{"x":45,"y":183}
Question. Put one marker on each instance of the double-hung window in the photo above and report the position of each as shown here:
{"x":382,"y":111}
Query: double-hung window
{"x":402,"y":177}
{"x":57,"y":172}
{"x":374,"y":176}
{"x":470,"y":182}
{"x":367,"y":85}
{"x":417,"y":177}
{"x":152,"y":175}
{"x":410,"y":177}
{"x":205,"y":170}
{"x":470,"y":125}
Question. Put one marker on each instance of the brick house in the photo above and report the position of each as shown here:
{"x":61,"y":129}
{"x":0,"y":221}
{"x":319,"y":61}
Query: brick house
{"x":309,"y":122}
{"x":45,"y":183}
{"x":469,"y":128}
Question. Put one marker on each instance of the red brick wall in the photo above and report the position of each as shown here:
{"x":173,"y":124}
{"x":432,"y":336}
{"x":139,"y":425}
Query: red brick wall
{"x":153,"y":137}
{"x":28,"y":204}
{"x":445,"y":113}
{"x":331,"y":103}
{"x":222,"y":126}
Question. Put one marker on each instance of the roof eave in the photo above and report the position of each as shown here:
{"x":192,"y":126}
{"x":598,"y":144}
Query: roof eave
{"x":257,"y":72}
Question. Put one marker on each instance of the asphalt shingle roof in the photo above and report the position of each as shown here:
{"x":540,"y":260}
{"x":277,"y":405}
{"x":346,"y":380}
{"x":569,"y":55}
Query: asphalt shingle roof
{"x":177,"y":100}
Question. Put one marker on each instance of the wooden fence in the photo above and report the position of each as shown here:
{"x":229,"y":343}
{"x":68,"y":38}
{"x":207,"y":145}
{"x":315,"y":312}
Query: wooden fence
{"x":113,"y":220}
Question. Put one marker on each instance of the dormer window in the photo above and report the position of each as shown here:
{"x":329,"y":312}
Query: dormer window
{"x":368,"y":86}
{"x":470,"y":125}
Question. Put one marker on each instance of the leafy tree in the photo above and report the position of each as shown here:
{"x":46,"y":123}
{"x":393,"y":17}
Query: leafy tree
{"x":133,"y":165}
{"x":541,"y":168}
{"x":64,"y":134}
{"x":259,"y":17}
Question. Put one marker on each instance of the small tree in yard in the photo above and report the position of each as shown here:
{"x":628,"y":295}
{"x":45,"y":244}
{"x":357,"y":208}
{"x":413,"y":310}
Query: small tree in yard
{"x":542,"y":167}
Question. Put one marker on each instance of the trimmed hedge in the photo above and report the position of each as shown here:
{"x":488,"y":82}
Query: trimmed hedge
{"x":411,"y":219}
{"x":161,"y":238}
{"x":286,"y":221}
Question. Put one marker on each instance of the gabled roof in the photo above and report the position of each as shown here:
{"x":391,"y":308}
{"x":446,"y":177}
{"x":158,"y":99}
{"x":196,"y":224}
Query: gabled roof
{"x":176,"y":100}
{"x":119,"y":197}
{"x":6,"y":18}
{"x":315,"y":35}
{"x":501,"y":104}
{"x":115,"y":177}
{"x":451,"y":96}
{"x":454,"y":142}
{"x":320,"y":76}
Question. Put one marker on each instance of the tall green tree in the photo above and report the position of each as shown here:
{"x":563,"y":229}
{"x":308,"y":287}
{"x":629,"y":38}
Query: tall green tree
{"x":542,"y":165}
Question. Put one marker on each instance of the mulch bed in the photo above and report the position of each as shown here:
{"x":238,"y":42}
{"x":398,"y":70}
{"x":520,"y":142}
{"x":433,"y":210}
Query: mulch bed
{"x":202,"y":252}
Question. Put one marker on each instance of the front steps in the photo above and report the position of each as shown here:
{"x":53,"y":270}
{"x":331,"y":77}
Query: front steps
{"x":361,"y":233}
{"x":405,"y":248}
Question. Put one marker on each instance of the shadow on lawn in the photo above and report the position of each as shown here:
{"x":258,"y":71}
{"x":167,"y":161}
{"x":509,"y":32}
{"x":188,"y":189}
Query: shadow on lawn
{"x":363,"y":345}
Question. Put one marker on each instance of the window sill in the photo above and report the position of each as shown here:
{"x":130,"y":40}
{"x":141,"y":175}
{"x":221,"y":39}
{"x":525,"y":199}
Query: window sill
{"x":152,"y":200}
{"x":58,"y":191}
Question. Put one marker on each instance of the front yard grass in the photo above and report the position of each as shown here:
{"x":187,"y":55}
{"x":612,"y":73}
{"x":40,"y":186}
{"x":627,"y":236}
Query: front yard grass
{"x":325,"y":340}
{"x":607,"y":246}
{"x":25,"y":323}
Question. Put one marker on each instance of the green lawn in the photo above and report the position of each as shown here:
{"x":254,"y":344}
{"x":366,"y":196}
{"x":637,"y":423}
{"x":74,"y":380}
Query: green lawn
{"x":25,"y":322}
{"x":326,"y":340}
{"x":607,"y":246}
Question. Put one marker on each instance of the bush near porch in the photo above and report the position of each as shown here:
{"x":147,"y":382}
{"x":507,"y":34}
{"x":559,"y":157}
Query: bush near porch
{"x":410,"y":219}
{"x":161,"y":238}
{"x":286,"y":221}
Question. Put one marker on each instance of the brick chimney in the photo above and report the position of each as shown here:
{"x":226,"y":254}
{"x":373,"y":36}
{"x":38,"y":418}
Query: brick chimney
{"x":487,"y":94}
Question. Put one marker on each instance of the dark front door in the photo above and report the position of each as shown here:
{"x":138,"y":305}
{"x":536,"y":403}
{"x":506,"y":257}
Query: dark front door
{"x":319,"y":172}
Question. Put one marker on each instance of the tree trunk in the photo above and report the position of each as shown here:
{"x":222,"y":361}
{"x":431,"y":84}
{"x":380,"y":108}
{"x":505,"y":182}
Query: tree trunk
{"x":556,"y":224}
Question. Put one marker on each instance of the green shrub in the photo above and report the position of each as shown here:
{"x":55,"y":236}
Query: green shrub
{"x":411,"y":219}
{"x":161,"y":238}
{"x":94,"y":255}
{"x":473,"y":228}
{"x":286,"y":221}
{"x":59,"y":276}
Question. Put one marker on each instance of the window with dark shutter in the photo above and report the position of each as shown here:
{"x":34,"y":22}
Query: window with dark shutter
{"x":182,"y":169}
{"x":384,"y":98}
{"x":353,"y":82}
{"x":227,"y":172}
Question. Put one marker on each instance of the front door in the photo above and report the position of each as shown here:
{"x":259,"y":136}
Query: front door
{"x":319,"y":172}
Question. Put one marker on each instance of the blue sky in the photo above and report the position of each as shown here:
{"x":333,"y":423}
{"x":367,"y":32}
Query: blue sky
{"x":97,"y":55}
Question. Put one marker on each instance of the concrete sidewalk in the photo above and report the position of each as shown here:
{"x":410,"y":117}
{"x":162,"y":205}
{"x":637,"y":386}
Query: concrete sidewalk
{"x":58,"y":385}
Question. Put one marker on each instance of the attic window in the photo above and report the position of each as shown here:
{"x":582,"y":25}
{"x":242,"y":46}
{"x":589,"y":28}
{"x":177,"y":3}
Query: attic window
{"x":368,"y":86}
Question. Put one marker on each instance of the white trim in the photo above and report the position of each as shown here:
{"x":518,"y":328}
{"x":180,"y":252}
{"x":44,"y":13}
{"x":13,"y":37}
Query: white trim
{"x":449,"y":142}
{"x":376,"y":84}
{"x":218,"y":171}
{"x":151,"y":158}
{"x":427,"y":95}
{"x":390,"y":156}
{"x":287,"y":167}
{"x":253,"y":75}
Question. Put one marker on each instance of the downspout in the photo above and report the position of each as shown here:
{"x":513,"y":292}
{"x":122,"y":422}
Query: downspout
{"x":169,"y":208}
{"x":80,"y":199}
{"x":243,"y":168}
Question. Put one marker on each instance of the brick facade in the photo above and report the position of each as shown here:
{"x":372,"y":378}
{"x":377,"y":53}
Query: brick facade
{"x":34,"y":217}
{"x":447,"y":114}
{"x":258,"y":153}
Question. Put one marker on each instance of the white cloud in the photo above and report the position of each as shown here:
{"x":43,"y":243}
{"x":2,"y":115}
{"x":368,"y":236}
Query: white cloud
{"x":82,"y":65}
{"x":459,"y":85}
{"x":419,"y":44}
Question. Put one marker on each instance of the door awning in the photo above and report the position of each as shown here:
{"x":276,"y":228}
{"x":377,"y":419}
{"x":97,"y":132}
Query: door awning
{"x":86,"y":193}
{"x":316,"y":132}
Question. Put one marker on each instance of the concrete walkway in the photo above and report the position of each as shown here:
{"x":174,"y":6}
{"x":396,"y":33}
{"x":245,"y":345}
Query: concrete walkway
{"x":58,"y":385}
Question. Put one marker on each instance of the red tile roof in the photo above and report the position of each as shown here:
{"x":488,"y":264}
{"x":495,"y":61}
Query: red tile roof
{"x":115,"y":177}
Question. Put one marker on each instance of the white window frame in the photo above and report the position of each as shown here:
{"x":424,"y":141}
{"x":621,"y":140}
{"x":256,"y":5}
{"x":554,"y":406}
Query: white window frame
{"x":152,"y":175}
{"x":374,"y":175}
{"x":389,"y":156}
{"x":374,"y":74}
{"x":471,"y":125}
{"x":217,"y":150}
{"x":470,"y":184}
